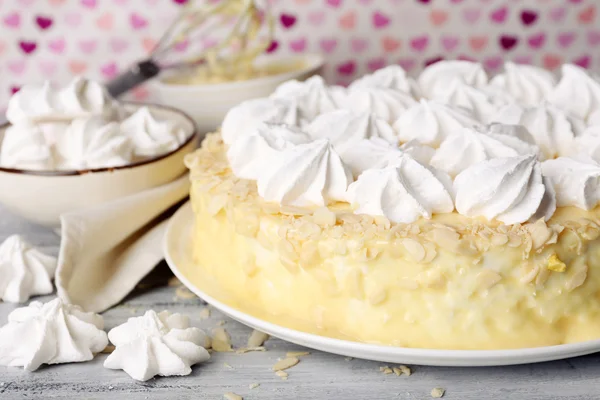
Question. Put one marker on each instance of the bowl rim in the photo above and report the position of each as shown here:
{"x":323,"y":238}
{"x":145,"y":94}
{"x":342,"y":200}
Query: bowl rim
{"x":316,"y":61}
{"x":194,"y":135}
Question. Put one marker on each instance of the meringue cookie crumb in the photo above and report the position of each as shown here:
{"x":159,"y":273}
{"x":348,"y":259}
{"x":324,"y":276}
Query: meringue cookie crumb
{"x":437,"y":393}
{"x":253,"y":385}
{"x":232,"y":396}
{"x":221,"y":341}
{"x":205,"y":313}
{"x":297,"y":353}
{"x":257,"y":339}
{"x":285,"y":363}
{"x":282,"y":374}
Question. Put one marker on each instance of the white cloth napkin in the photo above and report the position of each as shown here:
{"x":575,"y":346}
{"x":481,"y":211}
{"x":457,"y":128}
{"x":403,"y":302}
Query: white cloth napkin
{"x":106,"y":250}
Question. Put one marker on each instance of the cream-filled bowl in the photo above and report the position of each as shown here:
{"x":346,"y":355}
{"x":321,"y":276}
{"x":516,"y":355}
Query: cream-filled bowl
{"x":208,"y":103}
{"x":42,"y":196}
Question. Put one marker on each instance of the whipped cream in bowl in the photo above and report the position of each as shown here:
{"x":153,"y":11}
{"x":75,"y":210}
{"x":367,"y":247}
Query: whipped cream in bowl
{"x":76,"y":147}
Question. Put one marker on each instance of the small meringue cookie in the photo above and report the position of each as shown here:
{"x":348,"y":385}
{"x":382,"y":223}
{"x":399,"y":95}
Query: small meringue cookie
{"x":368,"y":153}
{"x":243,"y":119}
{"x":25,"y":147}
{"x":527,"y":84}
{"x":313,"y":97}
{"x":390,"y":77}
{"x":150,"y":135}
{"x":430,"y":122}
{"x":50,"y":333}
{"x":434,"y":79}
{"x":24,"y":270}
{"x":576,"y":181}
{"x":251,"y":155}
{"x":588,"y":143}
{"x":93,"y":143}
{"x":157,"y":344}
{"x":420,"y":152}
{"x":387,"y":104}
{"x":577,"y":92}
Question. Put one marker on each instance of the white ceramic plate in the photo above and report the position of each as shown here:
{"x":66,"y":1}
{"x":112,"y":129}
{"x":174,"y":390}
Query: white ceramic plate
{"x":178,"y":253}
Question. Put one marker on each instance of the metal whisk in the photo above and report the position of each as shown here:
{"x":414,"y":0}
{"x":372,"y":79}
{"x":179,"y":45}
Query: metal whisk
{"x":245,"y":29}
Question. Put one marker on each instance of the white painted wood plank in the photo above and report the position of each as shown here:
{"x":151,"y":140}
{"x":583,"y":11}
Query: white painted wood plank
{"x":318,"y":375}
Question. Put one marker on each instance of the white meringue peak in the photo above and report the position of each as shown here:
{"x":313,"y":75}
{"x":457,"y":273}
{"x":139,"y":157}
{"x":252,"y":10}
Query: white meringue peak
{"x":552,"y":129}
{"x":251,"y":155}
{"x":157,"y":344}
{"x":509,"y":189}
{"x":577,"y":92}
{"x":313,"y":97}
{"x":24,"y":270}
{"x":368,"y":153}
{"x":402,"y":192}
{"x":588,"y":143}
{"x":430,"y":122}
{"x":26,"y":147}
{"x":345,"y":128}
{"x":576,"y":181}
{"x":311,"y":174}
{"x":93,"y":143}
{"x":387,"y":104}
{"x":434,"y":79}
{"x":420,"y":152}
{"x":81,"y":98}
{"x":50,"y":333}
{"x":390,"y":77}
{"x":527,"y":84}
{"x":150,"y":135}
{"x":245,"y":118}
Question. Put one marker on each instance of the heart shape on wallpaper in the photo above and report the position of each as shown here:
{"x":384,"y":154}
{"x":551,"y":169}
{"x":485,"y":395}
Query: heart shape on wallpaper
{"x":471,"y":15}
{"x":358,"y":45}
{"x":87,"y":46}
{"x":348,"y":20}
{"x":73,"y":20}
{"x":328,"y":45}
{"x":493,"y":63}
{"x":48,"y":68}
{"x":593,"y":38}
{"x":347,"y":68}
{"x":536,"y":41}
{"x":109,"y":70}
{"x":419,"y":43}
{"x":390,"y":44}
{"x":298,"y":45}
{"x":407,"y":63}
{"x":148,"y":44}
{"x":508,"y":42}
{"x":528,"y":17}
{"x":14,"y":89}
{"x":57,"y":2}
{"x":105,"y":21}
{"x":287,"y":20}
{"x":316,"y":18}
{"x":137,"y":21}
{"x":583,"y":61}
{"x":17,"y":67}
{"x":380,"y":20}
{"x":43,"y":22}
{"x":438,"y":17}
{"x":334,"y":3}
{"x":449,"y":43}
{"x":140,"y":93}
{"x":118,"y":45}
{"x":27,"y":47}
{"x":2,"y":47}
{"x":551,"y":61}
{"x":57,"y":46}
{"x":272,"y":47}
{"x":180,"y":2}
{"x":587,"y":15}
{"x":557,"y":14}
{"x":12,"y":20}
{"x":375,"y":64}
{"x":499,"y":15}
{"x":524,"y":59}
{"x":77,"y":67}
{"x":478,"y":43}
{"x":89,"y":3}
{"x":26,"y":3}
{"x":565,"y":39}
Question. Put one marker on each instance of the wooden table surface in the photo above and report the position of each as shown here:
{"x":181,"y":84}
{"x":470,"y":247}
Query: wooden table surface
{"x":318,"y":375}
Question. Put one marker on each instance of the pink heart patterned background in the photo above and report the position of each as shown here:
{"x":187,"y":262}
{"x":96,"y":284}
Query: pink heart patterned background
{"x":56,"y":39}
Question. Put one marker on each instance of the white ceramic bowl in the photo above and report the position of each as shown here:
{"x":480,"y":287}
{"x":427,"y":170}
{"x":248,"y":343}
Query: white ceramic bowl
{"x":207,"y":104}
{"x":42,"y":196}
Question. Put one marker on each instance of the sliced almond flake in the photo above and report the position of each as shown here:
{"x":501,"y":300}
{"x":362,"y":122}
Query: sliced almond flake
{"x":257,"y":339}
{"x":499,"y":239}
{"x":529,"y":274}
{"x":184,"y":293}
{"x":488,"y":278}
{"x":397,"y":371}
{"x":297,"y":353}
{"x":108,"y":349}
{"x":244,"y":350}
{"x":282,"y":374}
{"x":232,"y":396}
{"x":405,"y":370}
{"x":577,"y":279}
{"x":377,"y":296}
{"x":227,"y":366}
{"x":540,"y":233}
{"x":205,"y":313}
{"x":437,"y":393}
{"x":285,"y":363}
{"x":387,"y":371}
{"x":348,"y":358}
{"x":253,"y":385}
{"x":221,"y":341}
{"x":414,"y":249}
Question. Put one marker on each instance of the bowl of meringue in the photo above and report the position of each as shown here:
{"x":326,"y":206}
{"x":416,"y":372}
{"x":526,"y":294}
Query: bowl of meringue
{"x":208,"y":95}
{"x":72,"y":147}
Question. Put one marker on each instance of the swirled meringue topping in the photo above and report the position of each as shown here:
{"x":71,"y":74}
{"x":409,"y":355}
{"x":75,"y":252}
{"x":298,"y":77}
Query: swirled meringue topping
{"x":93,"y":143}
{"x":244,"y":118}
{"x":509,"y":189}
{"x":577,"y":92}
{"x":588,"y":143}
{"x":156,"y":344}
{"x":24,"y":270}
{"x":469,"y":147}
{"x":50,"y":333}
{"x":430,"y":122}
{"x":345,"y":128}
{"x":367,"y":153}
{"x":576,"y":181}
{"x":25,"y":146}
{"x":312,"y":96}
{"x":527,"y":84}
{"x":80,"y":99}
{"x":387,"y":104}
{"x":311,"y":174}
{"x":251,"y":155}
{"x":390,"y":77}
{"x":402,"y":192}
{"x":552,"y":129}
{"x":434,"y":79}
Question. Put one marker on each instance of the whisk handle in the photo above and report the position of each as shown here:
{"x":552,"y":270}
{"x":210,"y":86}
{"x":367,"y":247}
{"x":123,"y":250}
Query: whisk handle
{"x":134,"y":76}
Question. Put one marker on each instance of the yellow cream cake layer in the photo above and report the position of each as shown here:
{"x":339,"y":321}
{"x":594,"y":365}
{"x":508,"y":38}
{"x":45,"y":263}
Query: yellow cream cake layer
{"x":451,"y":282}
